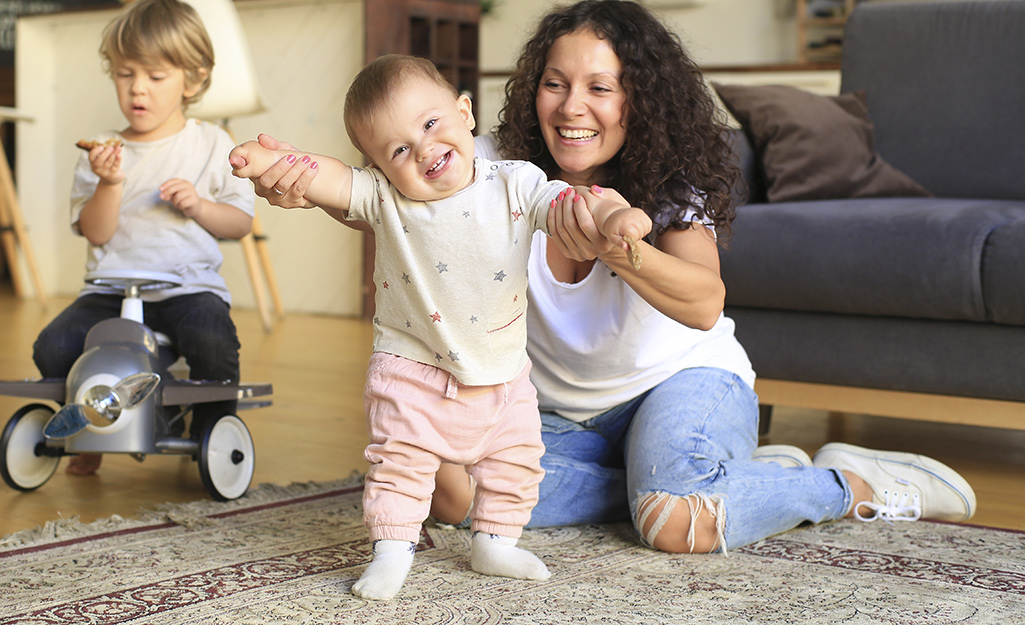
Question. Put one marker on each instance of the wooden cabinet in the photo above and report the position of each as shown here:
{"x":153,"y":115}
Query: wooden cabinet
{"x":820,"y":25}
{"x":445,"y":31}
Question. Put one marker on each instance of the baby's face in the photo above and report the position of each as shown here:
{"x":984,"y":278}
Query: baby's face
{"x":422,"y":140}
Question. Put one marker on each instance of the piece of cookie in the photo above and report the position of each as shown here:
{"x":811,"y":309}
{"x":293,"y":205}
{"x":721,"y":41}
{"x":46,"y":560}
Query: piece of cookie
{"x":89,"y":144}
{"x":635,"y":253}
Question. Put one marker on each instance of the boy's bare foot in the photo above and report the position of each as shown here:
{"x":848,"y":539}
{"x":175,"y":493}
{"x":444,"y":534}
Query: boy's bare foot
{"x":84,"y":464}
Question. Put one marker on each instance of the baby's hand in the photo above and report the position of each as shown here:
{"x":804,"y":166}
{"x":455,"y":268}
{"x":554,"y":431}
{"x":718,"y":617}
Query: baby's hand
{"x":626,"y":227}
{"x":105,"y":161}
{"x":251,"y":159}
{"x":182,"y":195}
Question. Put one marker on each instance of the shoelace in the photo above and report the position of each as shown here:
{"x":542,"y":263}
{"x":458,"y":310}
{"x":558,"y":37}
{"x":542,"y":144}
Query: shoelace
{"x":896,"y":506}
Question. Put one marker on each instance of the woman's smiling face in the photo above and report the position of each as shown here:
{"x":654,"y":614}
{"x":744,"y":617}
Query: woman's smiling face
{"x":581,"y":105}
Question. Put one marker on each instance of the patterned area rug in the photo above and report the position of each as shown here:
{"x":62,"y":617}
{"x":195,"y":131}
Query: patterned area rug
{"x":290,"y":555}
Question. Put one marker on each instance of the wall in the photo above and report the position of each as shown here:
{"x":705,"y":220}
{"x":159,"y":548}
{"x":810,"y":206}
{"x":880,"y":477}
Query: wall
{"x":714,"y":32}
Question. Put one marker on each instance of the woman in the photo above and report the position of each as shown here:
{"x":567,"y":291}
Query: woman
{"x":646,"y":396}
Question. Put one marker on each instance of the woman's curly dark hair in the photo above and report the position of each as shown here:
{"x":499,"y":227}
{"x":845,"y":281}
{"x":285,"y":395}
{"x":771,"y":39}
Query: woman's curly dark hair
{"x":676,"y":153}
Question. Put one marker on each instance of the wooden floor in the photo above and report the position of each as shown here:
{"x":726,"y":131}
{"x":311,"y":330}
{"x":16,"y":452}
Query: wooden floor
{"x":314,"y":431}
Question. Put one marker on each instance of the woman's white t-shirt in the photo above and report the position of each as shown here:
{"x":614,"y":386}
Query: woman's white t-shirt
{"x":595,"y":344}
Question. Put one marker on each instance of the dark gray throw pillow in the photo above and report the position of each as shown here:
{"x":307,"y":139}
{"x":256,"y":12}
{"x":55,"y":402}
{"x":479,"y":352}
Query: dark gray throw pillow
{"x":814,"y":147}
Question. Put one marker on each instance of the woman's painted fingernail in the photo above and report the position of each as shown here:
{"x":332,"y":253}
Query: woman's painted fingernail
{"x":290,"y":158}
{"x":306,"y":159}
{"x":313,"y":165}
{"x":553,"y":203}
{"x":562,"y":195}
{"x":595,"y":189}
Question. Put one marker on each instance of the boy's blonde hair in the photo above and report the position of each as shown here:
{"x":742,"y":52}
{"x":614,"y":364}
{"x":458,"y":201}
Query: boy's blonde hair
{"x":374,"y":84}
{"x":152,"y":31}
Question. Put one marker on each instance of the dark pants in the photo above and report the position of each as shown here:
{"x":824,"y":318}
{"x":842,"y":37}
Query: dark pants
{"x":199,"y":326}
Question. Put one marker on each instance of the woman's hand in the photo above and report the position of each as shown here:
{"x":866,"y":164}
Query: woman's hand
{"x":285,"y":183}
{"x":573,"y":230}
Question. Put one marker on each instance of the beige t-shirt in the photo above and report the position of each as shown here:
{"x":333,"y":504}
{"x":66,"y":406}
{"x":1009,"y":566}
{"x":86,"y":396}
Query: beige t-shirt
{"x":451,"y":275}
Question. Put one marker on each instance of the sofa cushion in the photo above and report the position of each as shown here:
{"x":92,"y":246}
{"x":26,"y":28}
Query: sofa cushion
{"x":926,"y":356}
{"x":1003,"y":273}
{"x":945,"y":90}
{"x":929,"y":258}
{"x":750,"y":169}
{"x":814,"y":147}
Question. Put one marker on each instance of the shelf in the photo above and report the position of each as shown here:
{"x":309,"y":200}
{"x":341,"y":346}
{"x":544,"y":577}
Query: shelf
{"x":820,"y":38}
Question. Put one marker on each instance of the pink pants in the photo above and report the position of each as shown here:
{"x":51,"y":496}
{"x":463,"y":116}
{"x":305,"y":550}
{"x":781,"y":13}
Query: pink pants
{"x":415,"y":423}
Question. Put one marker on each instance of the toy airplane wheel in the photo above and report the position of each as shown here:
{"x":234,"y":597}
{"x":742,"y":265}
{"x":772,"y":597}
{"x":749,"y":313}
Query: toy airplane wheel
{"x":226,"y":458}
{"x":26,"y":465}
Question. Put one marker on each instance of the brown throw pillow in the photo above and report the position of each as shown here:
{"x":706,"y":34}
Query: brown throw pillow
{"x":814,"y":147}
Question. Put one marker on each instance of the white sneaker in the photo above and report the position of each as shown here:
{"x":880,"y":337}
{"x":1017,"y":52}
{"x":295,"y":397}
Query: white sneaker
{"x":905,"y":486}
{"x":783,"y":455}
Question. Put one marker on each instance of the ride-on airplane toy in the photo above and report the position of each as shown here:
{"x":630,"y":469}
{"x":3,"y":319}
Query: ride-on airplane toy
{"x":120,"y":398}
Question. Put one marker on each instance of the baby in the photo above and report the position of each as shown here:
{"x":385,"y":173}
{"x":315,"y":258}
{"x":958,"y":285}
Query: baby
{"x":448,"y":380}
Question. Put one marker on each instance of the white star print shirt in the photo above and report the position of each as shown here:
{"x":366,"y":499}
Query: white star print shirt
{"x":451,"y":274}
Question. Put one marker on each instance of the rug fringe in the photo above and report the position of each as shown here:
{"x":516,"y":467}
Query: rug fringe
{"x":191,"y":515}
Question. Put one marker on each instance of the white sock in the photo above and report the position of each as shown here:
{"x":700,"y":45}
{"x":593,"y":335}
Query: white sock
{"x":491,"y":554}
{"x":387,"y":571}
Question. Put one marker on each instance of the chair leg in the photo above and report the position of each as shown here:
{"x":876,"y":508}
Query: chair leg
{"x":764,"y":419}
{"x":255,"y":278}
{"x":14,"y":232}
{"x":265,"y":265}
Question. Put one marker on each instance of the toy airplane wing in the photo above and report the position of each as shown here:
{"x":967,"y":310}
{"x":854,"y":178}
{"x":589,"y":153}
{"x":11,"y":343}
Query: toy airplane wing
{"x":53,"y":389}
{"x":180,"y":392}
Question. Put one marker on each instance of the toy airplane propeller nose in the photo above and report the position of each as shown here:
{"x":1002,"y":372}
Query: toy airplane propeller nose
{"x":101,"y":405}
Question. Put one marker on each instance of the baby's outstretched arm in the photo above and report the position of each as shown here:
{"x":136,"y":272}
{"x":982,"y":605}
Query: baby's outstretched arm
{"x":623,"y":225}
{"x":331,"y":189}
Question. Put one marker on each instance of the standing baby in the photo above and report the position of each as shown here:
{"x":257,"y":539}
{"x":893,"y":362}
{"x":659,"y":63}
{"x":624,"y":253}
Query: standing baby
{"x":448,"y":379}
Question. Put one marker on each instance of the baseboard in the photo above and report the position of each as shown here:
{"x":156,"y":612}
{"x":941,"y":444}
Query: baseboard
{"x":919,"y":406}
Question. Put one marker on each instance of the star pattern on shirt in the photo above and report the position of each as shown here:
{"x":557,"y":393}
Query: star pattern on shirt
{"x":500,"y":276}
{"x":473,"y":319}
{"x":441,"y":267}
{"x":405,"y":278}
{"x":454,"y":356}
{"x":517,"y":214}
{"x":466,"y":214}
{"x":385,"y":284}
{"x":436,"y":317}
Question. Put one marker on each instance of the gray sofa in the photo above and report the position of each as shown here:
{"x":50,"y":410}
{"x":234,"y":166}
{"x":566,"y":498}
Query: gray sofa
{"x":910,"y":306}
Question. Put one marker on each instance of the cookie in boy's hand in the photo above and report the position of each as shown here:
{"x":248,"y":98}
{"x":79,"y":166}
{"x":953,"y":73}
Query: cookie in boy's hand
{"x":89,"y":144}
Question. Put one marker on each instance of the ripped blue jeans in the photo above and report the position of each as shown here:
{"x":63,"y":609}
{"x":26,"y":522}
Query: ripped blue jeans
{"x":691,"y":436}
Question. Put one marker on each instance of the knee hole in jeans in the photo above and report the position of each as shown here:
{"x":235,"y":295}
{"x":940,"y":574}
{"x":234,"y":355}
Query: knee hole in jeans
{"x":655,"y":509}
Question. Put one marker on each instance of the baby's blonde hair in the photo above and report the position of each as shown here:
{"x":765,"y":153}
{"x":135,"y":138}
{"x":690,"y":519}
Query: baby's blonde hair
{"x":170,"y":31}
{"x":374,"y":84}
